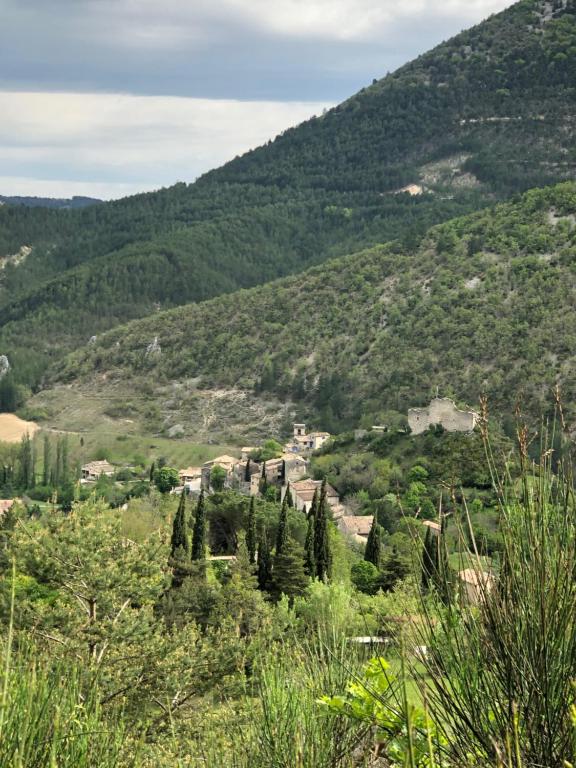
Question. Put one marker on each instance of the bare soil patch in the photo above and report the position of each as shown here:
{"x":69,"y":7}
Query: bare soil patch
{"x":13,"y":429}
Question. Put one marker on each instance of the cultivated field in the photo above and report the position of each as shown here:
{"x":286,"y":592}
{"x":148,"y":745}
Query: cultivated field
{"x":12,"y":429}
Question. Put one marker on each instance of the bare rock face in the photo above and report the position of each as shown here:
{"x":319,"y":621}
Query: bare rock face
{"x":4,"y":366}
{"x":92,"y":340}
{"x":154,"y":348}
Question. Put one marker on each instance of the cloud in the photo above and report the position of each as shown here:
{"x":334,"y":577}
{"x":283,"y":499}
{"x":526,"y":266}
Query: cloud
{"x":111,"y":144}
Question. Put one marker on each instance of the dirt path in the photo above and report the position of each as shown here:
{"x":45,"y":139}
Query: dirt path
{"x":12,"y":429}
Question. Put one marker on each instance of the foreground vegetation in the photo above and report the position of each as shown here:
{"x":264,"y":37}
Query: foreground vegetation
{"x":175,"y":659}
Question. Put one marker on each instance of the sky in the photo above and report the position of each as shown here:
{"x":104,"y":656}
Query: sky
{"x":112,"y":97}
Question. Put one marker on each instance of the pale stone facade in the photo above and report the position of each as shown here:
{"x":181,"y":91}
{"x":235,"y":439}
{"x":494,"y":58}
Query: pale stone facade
{"x":441,"y":411}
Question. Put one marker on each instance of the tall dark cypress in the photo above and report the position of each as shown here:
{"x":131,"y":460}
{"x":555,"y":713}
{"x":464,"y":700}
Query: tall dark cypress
{"x":322,"y":551}
{"x":314,"y":505}
{"x":282,"y":533}
{"x":179,"y":541}
{"x":247,"y":471}
{"x":199,"y":533}
{"x":152,"y":471}
{"x":373,"y":551}
{"x":288,"y":496}
{"x":264,"y":564}
{"x":309,"y":561}
{"x":251,"y":532}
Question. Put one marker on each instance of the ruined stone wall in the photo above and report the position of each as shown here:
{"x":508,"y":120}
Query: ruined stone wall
{"x":441,"y":411}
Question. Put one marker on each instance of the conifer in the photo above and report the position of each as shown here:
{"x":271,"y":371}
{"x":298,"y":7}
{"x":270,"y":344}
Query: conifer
{"x":264,"y":564}
{"x":199,"y":532}
{"x":251,"y":532}
{"x":288,"y":497}
{"x":179,"y":541}
{"x":322,"y":551}
{"x":282,"y":533}
{"x":373,"y":551}
{"x":47,"y":461}
{"x":289,"y":575}
{"x":309,"y":561}
{"x":247,"y":471}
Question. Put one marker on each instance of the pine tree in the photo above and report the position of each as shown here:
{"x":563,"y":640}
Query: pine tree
{"x":322,"y":551}
{"x":251,"y":532}
{"x":179,"y":540}
{"x":309,"y":561}
{"x":47,"y":461}
{"x":289,"y":575}
{"x":199,"y":535}
{"x":282,"y":533}
{"x":288,"y":497}
{"x":264,"y":564}
{"x":373,"y":551}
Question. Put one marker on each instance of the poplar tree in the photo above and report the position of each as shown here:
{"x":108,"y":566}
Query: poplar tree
{"x":64,"y":455}
{"x":251,"y":532}
{"x":47,"y":459}
{"x":199,"y":534}
{"x":373,"y":551}
{"x":322,"y":551}
{"x":282,"y":533}
{"x":264,"y":564}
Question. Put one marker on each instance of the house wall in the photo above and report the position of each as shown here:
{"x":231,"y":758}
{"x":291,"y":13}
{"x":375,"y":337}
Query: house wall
{"x":441,"y":411}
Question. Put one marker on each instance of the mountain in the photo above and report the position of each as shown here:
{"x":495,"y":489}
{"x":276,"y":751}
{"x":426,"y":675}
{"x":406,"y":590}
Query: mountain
{"x":483,"y":305}
{"x":49,"y":202}
{"x":488,"y":114}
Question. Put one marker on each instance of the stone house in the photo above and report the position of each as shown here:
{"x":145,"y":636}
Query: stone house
{"x":302,"y":492}
{"x":191,"y":479}
{"x":441,"y":411}
{"x":228,"y":464}
{"x":94,"y":470}
{"x":305,"y":442}
{"x":357,"y":527}
{"x":474,"y":585}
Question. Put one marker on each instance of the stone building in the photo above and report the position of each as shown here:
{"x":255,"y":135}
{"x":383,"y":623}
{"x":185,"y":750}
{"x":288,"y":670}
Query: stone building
{"x":304,"y":441}
{"x":357,"y":527}
{"x":444,"y":412}
{"x":92,"y":471}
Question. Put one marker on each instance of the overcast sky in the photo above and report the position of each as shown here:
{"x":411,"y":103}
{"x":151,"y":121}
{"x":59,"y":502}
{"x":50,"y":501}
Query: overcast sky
{"x":111,"y":97}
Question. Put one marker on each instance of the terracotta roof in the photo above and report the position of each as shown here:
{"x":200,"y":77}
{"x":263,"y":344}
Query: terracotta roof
{"x":358,"y":525}
{"x":301,"y":487}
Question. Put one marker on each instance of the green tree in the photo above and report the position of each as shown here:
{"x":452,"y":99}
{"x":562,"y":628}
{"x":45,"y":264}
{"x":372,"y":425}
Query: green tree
{"x":309,"y":561}
{"x":288,"y":496}
{"x":26,"y":463}
{"x":165,"y":479}
{"x":218,"y":477}
{"x":179,"y":541}
{"x":289,"y":576}
{"x":282,"y":532}
{"x":373,"y":551}
{"x":199,"y":533}
{"x":47,"y":461}
{"x":251,"y":543}
{"x":264,"y":574}
{"x":322,"y":551}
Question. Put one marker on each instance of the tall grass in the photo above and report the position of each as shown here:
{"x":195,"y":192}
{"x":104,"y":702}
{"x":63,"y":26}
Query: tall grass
{"x":47,"y":718}
{"x":501,"y":672}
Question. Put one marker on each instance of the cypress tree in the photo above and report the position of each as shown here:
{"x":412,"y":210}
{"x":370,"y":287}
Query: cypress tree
{"x":199,"y":535}
{"x":282,"y":533}
{"x":373,"y":551}
{"x":152,"y":471}
{"x":247,"y":471}
{"x":289,"y":576}
{"x":179,"y":541}
{"x":264,"y":564}
{"x":322,"y":552}
{"x":251,"y":532}
{"x":288,"y":497}
{"x":314,"y":505}
{"x":47,"y":460}
{"x":309,"y":561}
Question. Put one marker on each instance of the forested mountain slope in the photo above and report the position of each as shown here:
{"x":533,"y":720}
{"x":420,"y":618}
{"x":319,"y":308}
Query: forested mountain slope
{"x":484,"y":304}
{"x":487,"y":114}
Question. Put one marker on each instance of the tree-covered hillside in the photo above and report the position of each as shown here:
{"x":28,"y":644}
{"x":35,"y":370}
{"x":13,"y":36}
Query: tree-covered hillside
{"x":482,"y":116}
{"x":484,"y":304}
